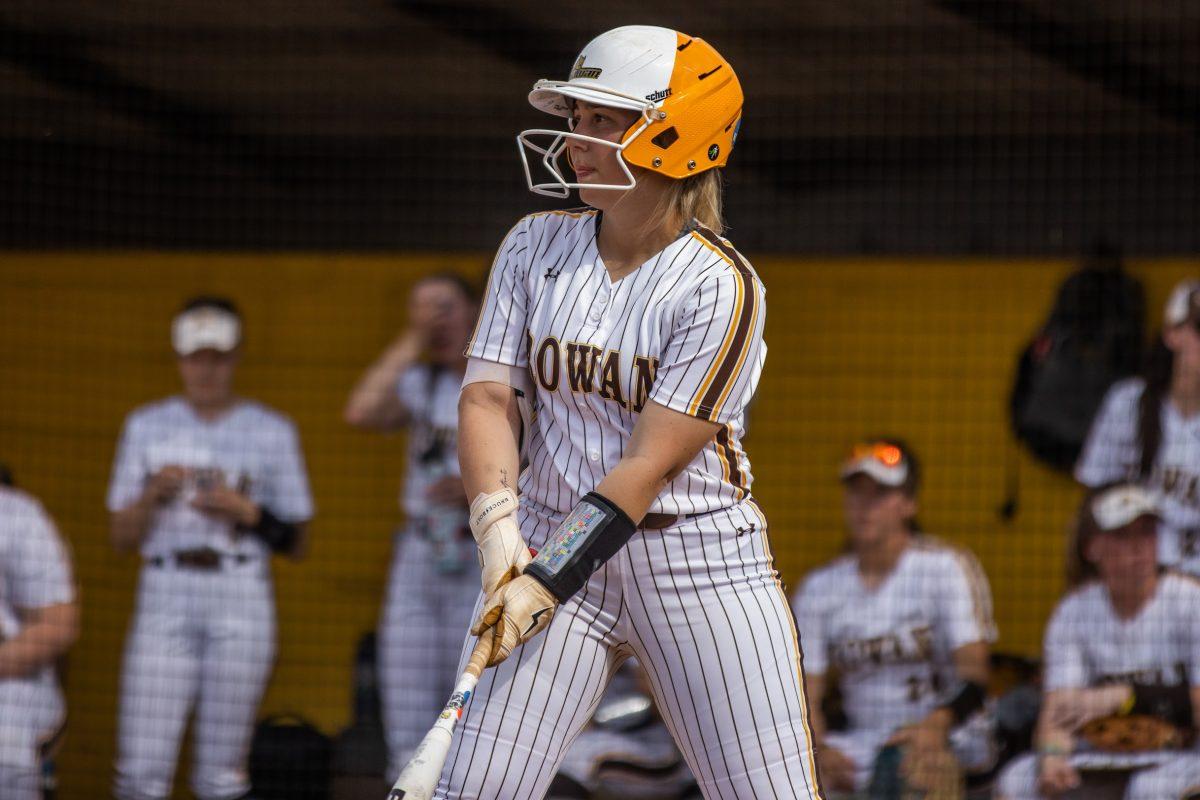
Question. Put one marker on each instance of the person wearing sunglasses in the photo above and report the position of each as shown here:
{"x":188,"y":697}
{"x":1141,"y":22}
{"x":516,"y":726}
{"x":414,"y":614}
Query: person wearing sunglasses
{"x":904,"y":621}
{"x":1121,"y":667}
{"x":1148,"y":430}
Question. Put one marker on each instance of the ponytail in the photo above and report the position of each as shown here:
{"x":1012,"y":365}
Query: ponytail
{"x":1160,"y":362}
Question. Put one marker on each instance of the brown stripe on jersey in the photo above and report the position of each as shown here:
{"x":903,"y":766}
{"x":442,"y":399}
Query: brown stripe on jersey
{"x":727,"y":454}
{"x":737,"y":350}
{"x":976,"y":578}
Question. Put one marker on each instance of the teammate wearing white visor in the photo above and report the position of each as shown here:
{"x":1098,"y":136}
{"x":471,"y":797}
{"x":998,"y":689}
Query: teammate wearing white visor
{"x":905,"y":622}
{"x":206,"y":485}
{"x":1121,"y":670}
{"x":635,"y":330}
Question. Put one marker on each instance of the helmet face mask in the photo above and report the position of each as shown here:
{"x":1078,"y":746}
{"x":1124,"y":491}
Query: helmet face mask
{"x":687,"y":96}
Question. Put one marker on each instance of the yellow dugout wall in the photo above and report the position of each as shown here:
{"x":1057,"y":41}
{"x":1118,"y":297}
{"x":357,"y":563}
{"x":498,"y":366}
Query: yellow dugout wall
{"x":923,"y":349}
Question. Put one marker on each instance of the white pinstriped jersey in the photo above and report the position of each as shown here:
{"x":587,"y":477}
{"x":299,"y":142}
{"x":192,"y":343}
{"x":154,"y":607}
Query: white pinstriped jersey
{"x":250,"y":447}
{"x":892,"y":646}
{"x":1112,"y":454}
{"x":683,"y":330}
{"x":1086,"y":644}
{"x":35,"y":571}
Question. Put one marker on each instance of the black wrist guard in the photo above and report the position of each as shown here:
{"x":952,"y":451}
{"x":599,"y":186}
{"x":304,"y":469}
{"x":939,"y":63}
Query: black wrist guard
{"x":278,"y":535}
{"x":969,"y":698}
{"x":590,"y":535}
{"x":1170,"y":703}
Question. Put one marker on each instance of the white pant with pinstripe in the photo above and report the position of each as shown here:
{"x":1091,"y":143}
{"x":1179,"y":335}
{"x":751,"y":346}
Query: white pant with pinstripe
{"x":701,"y":607}
{"x":1171,"y":776}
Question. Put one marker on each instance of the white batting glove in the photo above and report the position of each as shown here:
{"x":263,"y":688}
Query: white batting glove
{"x":503,"y":553}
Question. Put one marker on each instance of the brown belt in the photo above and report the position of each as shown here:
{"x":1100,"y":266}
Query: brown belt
{"x":201,"y":558}
{"x":655,"y":522}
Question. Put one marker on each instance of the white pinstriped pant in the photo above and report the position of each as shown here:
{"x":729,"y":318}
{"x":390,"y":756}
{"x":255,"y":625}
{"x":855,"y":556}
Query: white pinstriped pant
{"x":202,"y":640}
{"x":1176,"y":775}
{"x":31,"y":712}
{"x":420,"y":635}
{"x":700,"y":606}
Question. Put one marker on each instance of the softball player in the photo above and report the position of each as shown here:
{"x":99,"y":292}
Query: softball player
{"x":434,"y":574}
{"x":205,"y":486}
{"x":637,"y":331}
{"x":39,"y":620}
{"x":1148,"y":429}
{"x":905,"y":622}
{"x":1125,"y":642}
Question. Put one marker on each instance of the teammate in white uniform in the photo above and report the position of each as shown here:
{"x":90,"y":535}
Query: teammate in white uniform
{"x":39,"y":620}
{"x":640,"y":329}
{"x":1127,"y":641}
{"x":1148,"y":429}
{"x":904,"y":621}
{"x":204,"y":486}
{"x":434,"y":575}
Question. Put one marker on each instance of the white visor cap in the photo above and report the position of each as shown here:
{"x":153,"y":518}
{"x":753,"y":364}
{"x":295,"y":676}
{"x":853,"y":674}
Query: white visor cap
{"x":627,"y":67}
{"x":205,"y":328}
{"x":1119,"y":506}
{"x":1179,"y":305}
{"x":893,"y":476}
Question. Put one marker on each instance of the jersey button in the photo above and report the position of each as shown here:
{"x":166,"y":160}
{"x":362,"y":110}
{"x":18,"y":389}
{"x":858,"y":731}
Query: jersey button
{"x":595,"y":456}
{"x":595,"y":316}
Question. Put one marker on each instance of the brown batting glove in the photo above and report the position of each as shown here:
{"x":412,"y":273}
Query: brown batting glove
{"x":513,"y":615}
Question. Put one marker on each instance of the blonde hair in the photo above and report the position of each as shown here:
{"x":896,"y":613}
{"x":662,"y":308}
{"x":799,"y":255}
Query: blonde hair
{"x":696,"y":197}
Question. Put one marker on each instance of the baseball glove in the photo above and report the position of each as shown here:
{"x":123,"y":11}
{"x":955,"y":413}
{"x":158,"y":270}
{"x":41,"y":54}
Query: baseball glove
{"x":1131,"y":733}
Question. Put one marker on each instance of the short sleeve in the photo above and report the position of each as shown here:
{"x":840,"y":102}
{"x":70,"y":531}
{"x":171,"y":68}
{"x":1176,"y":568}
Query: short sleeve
{"x":1111,"y":450}
{"x":501,"y":328}
{"x":129,"y":468}
{"x":38,"y":570}
{"x":966,"y":606}
{"x":810,"y":621}
{"x":713,"y":357}
{"x":290,"y":497}
{"x":1065,"y":666}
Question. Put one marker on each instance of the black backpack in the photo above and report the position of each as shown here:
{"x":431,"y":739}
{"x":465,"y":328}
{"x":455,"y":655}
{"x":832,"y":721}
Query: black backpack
{"x":1092,"y":338}
{"x":290,"y":760}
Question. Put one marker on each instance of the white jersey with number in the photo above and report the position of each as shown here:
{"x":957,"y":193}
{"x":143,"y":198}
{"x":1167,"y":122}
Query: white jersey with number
{"x":250,"y":448}
{"x":683,"y":330}
{"x":431,"y":398}
{"x":1087,"y":644}
{"x":892,"y":646}
{"x":1112,"y":453}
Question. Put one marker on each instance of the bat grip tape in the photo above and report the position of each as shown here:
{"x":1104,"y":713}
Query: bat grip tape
{"x":590,"y":535}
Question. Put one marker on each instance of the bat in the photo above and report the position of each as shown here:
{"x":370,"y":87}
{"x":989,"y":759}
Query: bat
{"x":420,"y":776}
